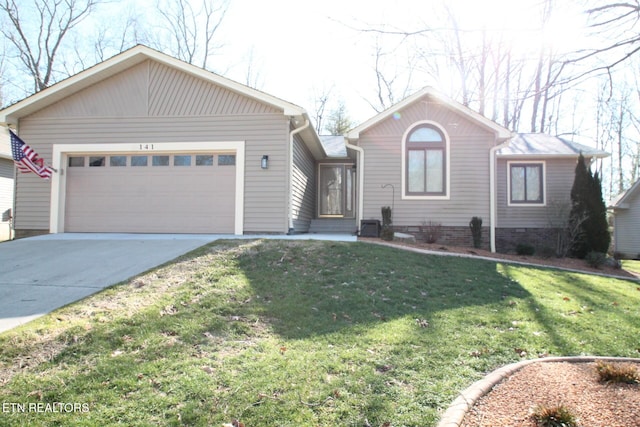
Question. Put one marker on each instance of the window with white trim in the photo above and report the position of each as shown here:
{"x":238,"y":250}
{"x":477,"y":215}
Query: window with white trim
{"x":526,"y":183}
{"x":426,"y":154}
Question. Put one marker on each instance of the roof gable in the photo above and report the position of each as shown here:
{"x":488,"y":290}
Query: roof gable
{"x":124,"y":61}
{"x":154,"y":89}
{"x":500,"y":132}
{"x":622,"y":200}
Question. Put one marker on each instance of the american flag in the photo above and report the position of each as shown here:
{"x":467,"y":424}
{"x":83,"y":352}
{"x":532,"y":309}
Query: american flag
{"x":26,"y":159}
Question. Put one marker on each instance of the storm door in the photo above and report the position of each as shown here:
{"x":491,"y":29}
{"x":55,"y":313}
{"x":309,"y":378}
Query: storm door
{"x":337,"y":191}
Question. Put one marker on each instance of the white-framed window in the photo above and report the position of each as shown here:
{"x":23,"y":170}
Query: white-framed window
{"x":526,"y":183}
{"x":425,"y":162}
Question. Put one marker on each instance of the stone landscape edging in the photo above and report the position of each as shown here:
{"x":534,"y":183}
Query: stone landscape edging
{"x":456,"y":412}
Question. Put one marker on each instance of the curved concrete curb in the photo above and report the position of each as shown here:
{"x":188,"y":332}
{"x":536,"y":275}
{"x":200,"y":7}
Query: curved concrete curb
{"x":454,"y":415}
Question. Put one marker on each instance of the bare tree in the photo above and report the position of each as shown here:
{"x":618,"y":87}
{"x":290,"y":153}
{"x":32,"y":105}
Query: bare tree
{"x":253,"y":77}
{"x":320,"y":102}
{"x":392,"y":83}
{"x":191,"y":31}
{"x":37,"y":31}
{"x":615,"y":24}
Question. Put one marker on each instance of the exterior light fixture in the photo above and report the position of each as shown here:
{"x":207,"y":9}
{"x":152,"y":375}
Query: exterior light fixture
{"x":264,"y":164}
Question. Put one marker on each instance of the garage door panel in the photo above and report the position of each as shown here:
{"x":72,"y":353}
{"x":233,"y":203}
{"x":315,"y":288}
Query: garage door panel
{"x":161,"y":199}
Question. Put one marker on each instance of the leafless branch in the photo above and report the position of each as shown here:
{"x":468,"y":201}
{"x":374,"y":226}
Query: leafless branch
{"x":37,"y":51}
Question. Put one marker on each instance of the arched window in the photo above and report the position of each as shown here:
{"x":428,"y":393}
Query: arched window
{"x":425,"y":161}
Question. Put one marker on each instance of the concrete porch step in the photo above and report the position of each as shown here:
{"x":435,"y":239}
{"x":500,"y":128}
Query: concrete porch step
{"x":333,"y":225}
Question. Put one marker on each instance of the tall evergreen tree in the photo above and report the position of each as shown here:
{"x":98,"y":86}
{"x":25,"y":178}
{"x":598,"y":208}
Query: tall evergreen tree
{"x":588,"y":218}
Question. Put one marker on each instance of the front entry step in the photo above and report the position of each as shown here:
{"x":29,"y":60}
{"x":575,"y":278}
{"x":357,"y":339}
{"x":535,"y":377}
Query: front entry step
{"x":333,"y":225}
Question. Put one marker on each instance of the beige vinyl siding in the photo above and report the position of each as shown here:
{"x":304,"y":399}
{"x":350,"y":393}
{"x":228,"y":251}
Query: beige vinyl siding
{"x":627,"y":227}
{"x":559,"y":176}
{"x":303,"y":186}
{"x":153,"y":89}
{"x":469,"y":175}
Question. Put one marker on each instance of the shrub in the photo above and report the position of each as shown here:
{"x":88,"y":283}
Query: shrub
{"x":554,"y":416}
{"x":387,"y":234}
{"x":476,"y":231}
{"x":588,"y":214}
{"x":525,"y":249}
{"x":617,"y":373}
{"x":387,"y":230}
{"x":432,"y":231}
{"x":596,"y":259}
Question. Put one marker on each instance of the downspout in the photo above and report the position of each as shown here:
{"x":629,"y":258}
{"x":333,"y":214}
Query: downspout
{"x":360,"y":163}
{"x":290,"y":190}
{"x":492,"y":193}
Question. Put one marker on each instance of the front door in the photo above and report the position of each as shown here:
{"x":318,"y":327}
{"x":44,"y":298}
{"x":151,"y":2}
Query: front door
{"x":337,"y":191}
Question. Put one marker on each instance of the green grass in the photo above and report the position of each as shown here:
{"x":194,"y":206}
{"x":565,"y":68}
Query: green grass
{"x":291,"y":333}
{"x":632,"y":266}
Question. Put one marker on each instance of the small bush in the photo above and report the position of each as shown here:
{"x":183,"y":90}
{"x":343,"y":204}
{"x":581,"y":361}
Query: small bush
{"x":387,"y":230}
{"x":617,"y":373}
{"x":525,"y":249}
{"x":432,"y":231}
{"x":387,"y":233}
{"x":596,"y":259}
{"x":554,"y":416}
{"x":476,"y":231}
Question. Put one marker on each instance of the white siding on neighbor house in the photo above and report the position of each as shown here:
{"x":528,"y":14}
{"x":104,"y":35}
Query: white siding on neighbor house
{"x":469,"y":175}
{"x":303,"y":186}
{"x":6,"y":195}
{"x":627,"y":227}
{"x":559,"y":176}
{"x":141,"y":105}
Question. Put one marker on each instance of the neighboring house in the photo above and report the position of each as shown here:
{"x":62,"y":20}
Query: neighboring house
{"x":6,"y":185}
{"x":146,"y":143}
{"x":626,"y":222}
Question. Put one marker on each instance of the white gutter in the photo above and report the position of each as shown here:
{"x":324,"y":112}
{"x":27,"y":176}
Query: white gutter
{"x":360,"y":163}
{"x":492,"y":193}
{"x":291,"y":136}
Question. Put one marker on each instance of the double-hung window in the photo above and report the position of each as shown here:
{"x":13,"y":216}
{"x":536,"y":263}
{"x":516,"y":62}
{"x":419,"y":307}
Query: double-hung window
{"x":425,"y":162}
{"x":526,"y":183}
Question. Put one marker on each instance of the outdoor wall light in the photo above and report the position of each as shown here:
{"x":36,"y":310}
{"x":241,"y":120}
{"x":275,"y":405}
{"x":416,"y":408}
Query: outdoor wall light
{"x":265,"y":162}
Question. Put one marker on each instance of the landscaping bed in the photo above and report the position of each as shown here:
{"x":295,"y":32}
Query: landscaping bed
{"x":576,"y":386}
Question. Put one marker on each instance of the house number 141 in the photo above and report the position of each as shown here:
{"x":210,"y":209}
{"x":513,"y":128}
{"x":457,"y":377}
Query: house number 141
{"x":146,"y":146}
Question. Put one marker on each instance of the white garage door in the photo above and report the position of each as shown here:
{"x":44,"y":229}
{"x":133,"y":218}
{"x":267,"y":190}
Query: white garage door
{"x":155,"y":193}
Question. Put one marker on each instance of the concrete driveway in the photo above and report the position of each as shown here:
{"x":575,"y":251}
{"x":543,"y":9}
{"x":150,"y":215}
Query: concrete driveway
{"x":40,"y":274}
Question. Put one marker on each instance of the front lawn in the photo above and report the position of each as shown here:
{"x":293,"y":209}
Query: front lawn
{"x":293,"y":333}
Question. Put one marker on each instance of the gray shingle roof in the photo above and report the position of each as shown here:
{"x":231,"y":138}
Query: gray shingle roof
{"x":334,"y":145}
{"x":542,"y":145}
